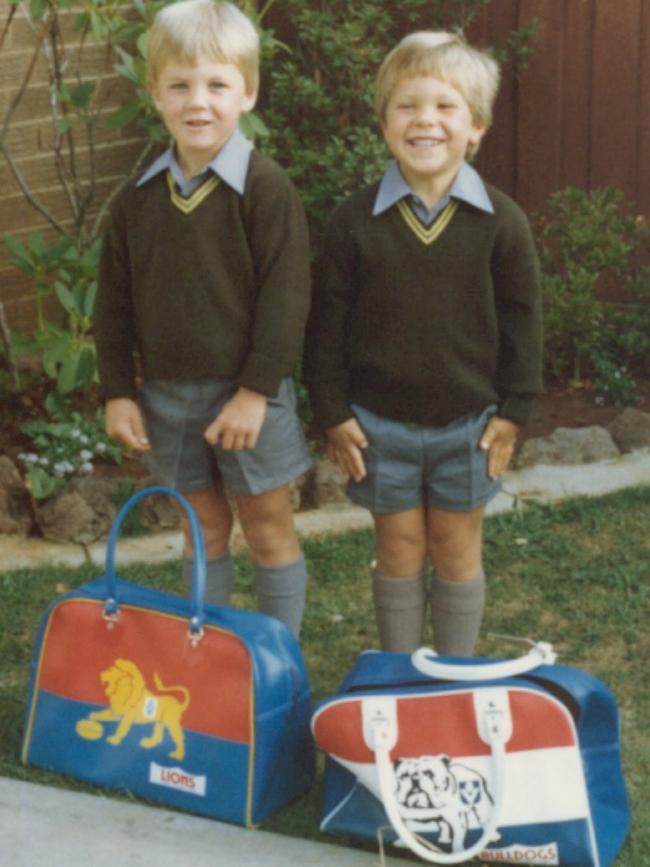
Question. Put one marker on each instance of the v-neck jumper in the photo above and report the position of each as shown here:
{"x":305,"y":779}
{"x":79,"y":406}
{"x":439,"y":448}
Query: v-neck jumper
{"x":216,"y":289}
{"x":425,"y":331}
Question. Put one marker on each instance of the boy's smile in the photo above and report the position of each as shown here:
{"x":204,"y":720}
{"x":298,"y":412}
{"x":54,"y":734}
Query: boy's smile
{"x":428,"y":127}
{"x":201,"y":105}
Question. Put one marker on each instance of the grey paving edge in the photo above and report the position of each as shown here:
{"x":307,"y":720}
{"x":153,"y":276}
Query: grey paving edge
{"x":536,"y":484}
{"x":58,"y":828}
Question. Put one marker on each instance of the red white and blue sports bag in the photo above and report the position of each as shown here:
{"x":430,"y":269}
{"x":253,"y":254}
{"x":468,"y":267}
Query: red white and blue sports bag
{"x":202,"y":708}
{"x":511,"y":761}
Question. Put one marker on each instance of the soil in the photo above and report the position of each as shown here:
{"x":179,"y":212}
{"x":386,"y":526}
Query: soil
{"x":561,"y":405}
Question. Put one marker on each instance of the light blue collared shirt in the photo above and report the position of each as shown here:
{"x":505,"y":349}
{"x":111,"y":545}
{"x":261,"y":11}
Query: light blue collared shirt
{"x":230,"y":164}
{"x":467,"y":186}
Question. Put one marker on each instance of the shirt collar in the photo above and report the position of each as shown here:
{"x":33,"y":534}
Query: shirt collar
{"x":230,"y":164}
{"x":467,"y":186}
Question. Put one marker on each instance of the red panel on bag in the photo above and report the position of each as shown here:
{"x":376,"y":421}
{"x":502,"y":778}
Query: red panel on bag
{"x":444,"y":723}
{"x":215,"y":677}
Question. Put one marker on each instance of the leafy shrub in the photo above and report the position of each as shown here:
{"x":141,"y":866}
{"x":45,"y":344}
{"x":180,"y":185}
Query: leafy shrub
{"x":587,"y":240}
{"x":67,"y":351}
{"x":319,"y":108}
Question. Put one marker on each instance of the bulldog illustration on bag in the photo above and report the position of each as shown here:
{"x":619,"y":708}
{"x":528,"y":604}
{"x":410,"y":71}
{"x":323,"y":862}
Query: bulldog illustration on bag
{"x":442,"y":797}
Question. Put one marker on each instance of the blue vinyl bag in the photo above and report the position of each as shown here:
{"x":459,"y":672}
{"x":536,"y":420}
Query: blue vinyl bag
{"x":201,"y":708}
{"x":511,"y":761}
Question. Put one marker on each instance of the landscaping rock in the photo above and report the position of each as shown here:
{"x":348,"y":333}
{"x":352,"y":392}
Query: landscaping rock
{"x":631,"y":430}
{"x":82,"y":512}
{"x":569,"y":446}
{"x":158,"y":511}
{"x":16,"y":516}
{"x":328,"y":484}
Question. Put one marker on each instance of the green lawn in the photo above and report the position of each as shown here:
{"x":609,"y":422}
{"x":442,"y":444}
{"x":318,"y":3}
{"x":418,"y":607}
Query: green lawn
{"x":575,"y":575}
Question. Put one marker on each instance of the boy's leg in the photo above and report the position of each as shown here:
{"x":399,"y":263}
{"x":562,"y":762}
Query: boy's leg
{"x":398,"y":588}
{"x":458,"y":588}
{"x":280,"y":569}
{"x":215,"y":516}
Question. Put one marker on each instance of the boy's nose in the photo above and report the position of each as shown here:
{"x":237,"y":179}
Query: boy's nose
{"x":197,"y":95}
{"x":428,"y":114}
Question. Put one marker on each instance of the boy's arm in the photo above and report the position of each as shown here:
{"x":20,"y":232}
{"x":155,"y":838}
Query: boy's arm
{"x":326,"y":353}
{"x":345,"y":444}
{"x":279,"y":242}
{"x":239,"y":423}
{"x":124,"y":423}
{"x":113,"y":315}
{"x":499,"y":440}
{"x":517,"y":288}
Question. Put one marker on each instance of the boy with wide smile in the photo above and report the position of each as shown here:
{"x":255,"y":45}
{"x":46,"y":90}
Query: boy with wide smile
{"x":423,"y":349}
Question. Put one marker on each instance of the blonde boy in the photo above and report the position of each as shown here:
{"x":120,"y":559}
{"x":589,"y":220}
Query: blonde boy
{"x":205,"y":276}
{"x":423,"y":349}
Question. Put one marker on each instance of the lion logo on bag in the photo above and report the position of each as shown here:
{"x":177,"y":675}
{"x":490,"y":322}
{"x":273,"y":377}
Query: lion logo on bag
{"x":445,"y":797}
{"x":130,"y":702}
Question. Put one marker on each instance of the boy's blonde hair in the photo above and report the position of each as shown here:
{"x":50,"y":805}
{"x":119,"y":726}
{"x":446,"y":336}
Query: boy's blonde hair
{"x":474,"y":73}
{"x":193,"y":30}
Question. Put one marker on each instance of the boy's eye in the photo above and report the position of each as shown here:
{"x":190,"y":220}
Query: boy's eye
{"x":178,"y":85}
{"x":217,"y":85}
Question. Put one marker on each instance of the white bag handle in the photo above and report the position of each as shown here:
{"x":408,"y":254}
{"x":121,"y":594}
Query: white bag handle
{"x":494,"y":723}
{"x":540,"y":653}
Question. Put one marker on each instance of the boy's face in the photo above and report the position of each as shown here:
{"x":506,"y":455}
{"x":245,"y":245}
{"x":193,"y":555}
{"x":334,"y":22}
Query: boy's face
{"x":428,"y":127}
{"x":200,"y":105}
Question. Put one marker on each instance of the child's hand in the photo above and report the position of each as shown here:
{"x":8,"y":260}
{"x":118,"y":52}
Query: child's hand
{"x":239,"y":423}
{"x":125,"y":424}
{"x":344,"y":445}
{"x":499,"y":440}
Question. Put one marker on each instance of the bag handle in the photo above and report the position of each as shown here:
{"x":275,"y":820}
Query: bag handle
{"x":540,"y":653}
{"x":198,"y":548}
{"x":380,"y":730}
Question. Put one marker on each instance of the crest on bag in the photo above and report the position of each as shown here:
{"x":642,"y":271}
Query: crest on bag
{"x":443,"y":797}
{"x":131,"y":702}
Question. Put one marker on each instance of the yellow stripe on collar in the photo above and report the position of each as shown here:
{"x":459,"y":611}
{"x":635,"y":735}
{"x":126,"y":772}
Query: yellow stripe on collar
{"x":424,"y":234}
{"x":187,"y":205}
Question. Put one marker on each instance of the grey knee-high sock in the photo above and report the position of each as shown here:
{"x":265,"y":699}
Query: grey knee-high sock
{"x":281,"y":592}
{"x":400,"y":605}
{"x":219,"y":578}
{"x":456,"y":614}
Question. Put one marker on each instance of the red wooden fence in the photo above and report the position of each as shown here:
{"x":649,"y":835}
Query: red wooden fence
{"x":580,"y":114}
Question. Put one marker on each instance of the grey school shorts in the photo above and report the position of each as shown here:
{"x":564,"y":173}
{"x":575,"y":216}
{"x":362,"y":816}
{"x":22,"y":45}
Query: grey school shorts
{"x":176,"y":416}
{"x":409,"y":465}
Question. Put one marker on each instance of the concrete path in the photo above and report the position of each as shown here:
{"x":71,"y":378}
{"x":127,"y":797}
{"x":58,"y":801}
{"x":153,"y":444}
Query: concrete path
{"x":46,"y":827}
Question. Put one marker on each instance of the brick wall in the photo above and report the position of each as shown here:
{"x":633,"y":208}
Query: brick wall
{"x":30,"y":138}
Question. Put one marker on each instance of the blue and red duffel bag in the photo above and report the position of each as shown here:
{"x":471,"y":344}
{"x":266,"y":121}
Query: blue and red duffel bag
{"x":202,"y":708}
{"x":510,"y":761}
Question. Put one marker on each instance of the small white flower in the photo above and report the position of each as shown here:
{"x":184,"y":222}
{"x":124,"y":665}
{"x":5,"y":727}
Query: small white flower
{"x":44,"y":462}
{"x":75,"y":434}
{"x":85,"y":455}
{"x":521,"y":541}
{"x":83,"y":439}
{"x":30,"y":458}
{"x":86,"y":469}
{"x":337,"y":618}
{"x":100,"y":448}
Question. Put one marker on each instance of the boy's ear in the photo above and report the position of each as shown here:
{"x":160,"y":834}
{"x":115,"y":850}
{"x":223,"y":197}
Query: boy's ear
{"x":476,"y":135}
{"x":154,"y":93}
{"x":249,"y":101}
